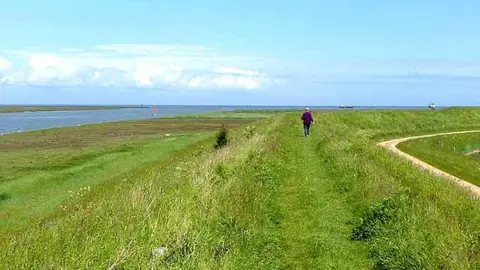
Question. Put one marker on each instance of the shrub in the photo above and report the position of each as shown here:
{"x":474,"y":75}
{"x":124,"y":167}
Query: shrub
{"x":4,"y":196}
{"x":222,"y":138}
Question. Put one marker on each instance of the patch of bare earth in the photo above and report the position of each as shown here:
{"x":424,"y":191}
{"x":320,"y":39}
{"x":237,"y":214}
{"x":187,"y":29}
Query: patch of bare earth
{"x":473,"y":153}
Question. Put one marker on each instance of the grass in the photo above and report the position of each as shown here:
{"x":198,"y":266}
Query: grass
{"x":254,"y":114}
{"x":269,"y":199}
{"x":17,"y":109}
{"x":39,"y":168}
{"x":448,"y":153}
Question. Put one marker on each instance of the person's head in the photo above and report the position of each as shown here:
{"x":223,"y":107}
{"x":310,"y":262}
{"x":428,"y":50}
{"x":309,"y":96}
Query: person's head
{"x":307,"y":109}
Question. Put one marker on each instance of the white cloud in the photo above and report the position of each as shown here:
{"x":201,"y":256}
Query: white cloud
{"x":195,"y":82}
{"x":4,"y":64}
{"x":349,"y":69}
{"x":149,"y":49}
{"x":236,"y":71}
{"x":466,"y":71}
{"x":5,"y":67}
{"x":225,"y":80}
{"x":45,"y":67}
{"x":248,"y":83}
{"x":137,"y":65}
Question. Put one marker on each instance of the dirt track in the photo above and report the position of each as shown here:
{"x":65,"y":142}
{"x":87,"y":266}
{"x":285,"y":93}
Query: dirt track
{"x":392,"y":146}
{"x":473,"y":153}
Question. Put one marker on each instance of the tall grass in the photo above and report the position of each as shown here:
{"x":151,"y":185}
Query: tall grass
{"x":411,"y":219}
{"x":37,"y":190}
{"x":270,"y":199}
{"x":197,"y":205}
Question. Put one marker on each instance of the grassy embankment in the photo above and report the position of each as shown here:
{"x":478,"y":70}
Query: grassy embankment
{"x":270,"y":199}
{"x":237,"y":114}
{"x":449,"y":153}
{"x":17,"y":109}
{"x":39,"y":168}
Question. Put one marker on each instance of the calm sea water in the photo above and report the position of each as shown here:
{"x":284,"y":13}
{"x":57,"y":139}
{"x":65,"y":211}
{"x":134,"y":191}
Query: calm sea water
{"x":15,"y":122}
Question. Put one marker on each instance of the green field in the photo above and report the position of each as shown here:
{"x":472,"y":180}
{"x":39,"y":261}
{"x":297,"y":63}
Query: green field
{"x":228,"y":115}
{"x":449,"y":153}
{"x":38,"y":169}
{"x":270,"y":199}
{"x":16,"y":109}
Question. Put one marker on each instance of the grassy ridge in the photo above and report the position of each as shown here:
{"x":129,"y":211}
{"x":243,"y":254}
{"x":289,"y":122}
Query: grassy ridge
{"x":165,"y":204}
{"x":411,"y":219}
{"x":234,"y":208}
{"x":39,"y":168}
{"x":271,"y":199}
{"x":253,"y":114}
{"x":448,"y":153}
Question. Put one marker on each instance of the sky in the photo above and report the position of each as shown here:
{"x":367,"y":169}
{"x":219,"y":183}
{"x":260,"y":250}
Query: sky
{"x":283,"y":52}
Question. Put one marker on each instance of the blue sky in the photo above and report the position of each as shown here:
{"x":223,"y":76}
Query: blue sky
{"x":249,"y":52}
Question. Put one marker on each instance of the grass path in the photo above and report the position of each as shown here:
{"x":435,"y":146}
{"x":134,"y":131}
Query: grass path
{"x":315,"y":213}
{"x":392,"y":146}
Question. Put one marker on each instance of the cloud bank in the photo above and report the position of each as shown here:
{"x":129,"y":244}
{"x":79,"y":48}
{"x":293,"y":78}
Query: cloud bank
{"x":4,"y":64}
{"x":173,"y":66}
{"x":135,"y":65}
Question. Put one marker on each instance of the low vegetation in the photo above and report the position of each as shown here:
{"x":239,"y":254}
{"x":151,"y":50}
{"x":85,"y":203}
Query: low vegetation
{"x":228,"y":115}
{"x":222,"y":138}
{"x":269,"y":199}
{"x":454,"y":154}
{"x":39,"y":168}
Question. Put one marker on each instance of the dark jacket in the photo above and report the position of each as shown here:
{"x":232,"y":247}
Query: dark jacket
{"x":307,"y":118}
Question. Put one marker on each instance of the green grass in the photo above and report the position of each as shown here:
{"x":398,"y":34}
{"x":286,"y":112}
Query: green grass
{"x":17,"y":109}
{"x":271,"y":199}
{"x":38,"y":169}
{"x":42,"y":188}
{"x":228,"y":115}
{"x":448,"y":153}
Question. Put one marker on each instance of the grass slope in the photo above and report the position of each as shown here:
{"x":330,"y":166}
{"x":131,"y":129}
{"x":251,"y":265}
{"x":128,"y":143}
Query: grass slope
{"x":38,"y":169}
{"x":272,"y":199}
{"x":234,"y":208}
{"x":42,"y":188}
{"x":448,"y":153}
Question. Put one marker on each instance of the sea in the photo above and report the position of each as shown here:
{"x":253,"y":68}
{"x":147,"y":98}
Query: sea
{"x":28,"y":121}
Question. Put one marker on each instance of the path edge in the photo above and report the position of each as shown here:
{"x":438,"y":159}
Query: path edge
{"x":391,"y":145}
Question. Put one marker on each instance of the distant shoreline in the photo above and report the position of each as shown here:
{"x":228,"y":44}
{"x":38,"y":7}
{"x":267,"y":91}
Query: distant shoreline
{"x":20,"y":109}
{"x":46,"y":108}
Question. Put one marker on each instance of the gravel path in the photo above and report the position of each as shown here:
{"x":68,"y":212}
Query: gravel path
{"x":392,"y":146}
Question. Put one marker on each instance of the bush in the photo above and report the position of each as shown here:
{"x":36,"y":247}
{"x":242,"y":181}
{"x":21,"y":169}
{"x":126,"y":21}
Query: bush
{"x":222,"y":138}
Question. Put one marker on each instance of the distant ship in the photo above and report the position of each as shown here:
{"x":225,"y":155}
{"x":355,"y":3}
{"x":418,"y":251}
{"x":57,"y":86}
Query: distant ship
{"x":346,"y":107}
{"x":432,"y":106}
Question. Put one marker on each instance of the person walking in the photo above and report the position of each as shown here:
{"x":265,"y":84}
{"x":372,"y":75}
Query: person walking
{"x":307,"y":121}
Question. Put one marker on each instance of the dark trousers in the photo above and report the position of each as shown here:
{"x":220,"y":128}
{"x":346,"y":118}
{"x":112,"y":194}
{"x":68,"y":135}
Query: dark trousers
{"x":306,"y":129}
